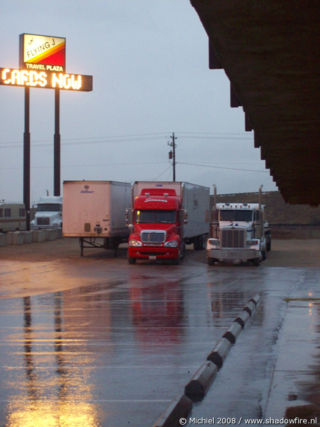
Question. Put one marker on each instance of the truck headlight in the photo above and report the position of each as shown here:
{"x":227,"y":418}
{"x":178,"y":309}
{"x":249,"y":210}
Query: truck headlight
{"x":253,"y":243}
{"x":213,"y":243}
{"x":135,"y":243}
{"x":171,"y":244}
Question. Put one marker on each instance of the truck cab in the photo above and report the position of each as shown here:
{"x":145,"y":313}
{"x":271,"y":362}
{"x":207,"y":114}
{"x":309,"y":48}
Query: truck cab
{"x":239,"y":233}
{"x":48,"y":213}
{"x":156,"y":226}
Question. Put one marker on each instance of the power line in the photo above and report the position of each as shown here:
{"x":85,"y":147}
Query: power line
{"x":222,"y":167}
{"x":87,"y":141}
{"x":162,"y":173}
{"x":91,"y":165}
{"x":231,"y":138}
{"x":128,"y":138}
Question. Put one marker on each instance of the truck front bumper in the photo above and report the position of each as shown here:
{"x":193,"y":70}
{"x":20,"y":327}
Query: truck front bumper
{"x":234,"y":254}
{"x":44,"y":227}
{"x":153,"y":253}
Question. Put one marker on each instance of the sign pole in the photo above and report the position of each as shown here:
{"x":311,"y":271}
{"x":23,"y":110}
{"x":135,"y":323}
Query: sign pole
{"x":26,"y":156}
{"x":57,"y":144}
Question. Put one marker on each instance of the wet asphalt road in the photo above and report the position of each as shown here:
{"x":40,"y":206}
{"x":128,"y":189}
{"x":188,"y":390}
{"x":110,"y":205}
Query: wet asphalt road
{"x":108,"y":344}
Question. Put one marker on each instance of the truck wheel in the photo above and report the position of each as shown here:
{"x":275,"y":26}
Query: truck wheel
{"x":182,"y":251}
{"x":176,"y":261}
{"x":131,"y":260}
{"x":269,"y":244}
{"x":264,"y":255}
{"x":211,"y":261}
{"x":256,"y":262}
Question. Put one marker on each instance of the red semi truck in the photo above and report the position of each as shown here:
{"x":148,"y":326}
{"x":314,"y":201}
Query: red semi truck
{"x":165,"y":217}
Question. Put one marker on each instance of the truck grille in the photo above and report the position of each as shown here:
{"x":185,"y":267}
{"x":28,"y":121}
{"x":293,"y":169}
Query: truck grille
{"x":233,"y":238}
{"x":153,"y":236}
{"x":43,"y":221}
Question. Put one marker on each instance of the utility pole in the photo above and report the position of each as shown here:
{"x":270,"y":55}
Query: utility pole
{"x":172,"y":155}
{"x":26,"y":156}
{"x":56,"y":146}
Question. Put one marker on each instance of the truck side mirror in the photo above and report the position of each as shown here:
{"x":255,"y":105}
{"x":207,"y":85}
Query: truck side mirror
{"x":131,"y":227}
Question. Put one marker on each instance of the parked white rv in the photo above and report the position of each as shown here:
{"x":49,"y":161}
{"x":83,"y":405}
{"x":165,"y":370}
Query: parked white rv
{"x":12,"y":216}
{"x":95,"y":211}
{"x":48,"y":213}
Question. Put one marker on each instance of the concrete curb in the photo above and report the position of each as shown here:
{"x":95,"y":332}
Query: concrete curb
{"x":255,"y":299}
{"x":232,"y":333}
{"x":39,"y":235}
{"x":200,"y":382}
{"x":3,"y":239}
{"x":179,"y":408}
{"x":219,"y":353}
{"x":242,"y":318}
{"x":15,"y":238}
{"x":26,"y":237}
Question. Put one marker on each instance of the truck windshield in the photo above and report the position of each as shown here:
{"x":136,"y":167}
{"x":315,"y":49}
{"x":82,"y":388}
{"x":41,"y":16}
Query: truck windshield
{"x":49,"y":207}
{"x":155,"y":217}
{"x":235,"y":215}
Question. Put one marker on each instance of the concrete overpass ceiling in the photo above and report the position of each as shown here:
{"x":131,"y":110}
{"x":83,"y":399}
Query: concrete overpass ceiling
{"x":270,"y":50}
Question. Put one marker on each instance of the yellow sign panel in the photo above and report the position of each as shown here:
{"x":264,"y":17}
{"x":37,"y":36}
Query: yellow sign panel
{"x":45,"y":53}
{"x":45,"y":79}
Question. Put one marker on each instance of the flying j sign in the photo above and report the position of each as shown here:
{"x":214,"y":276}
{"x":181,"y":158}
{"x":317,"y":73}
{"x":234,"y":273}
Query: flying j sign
{"x":43,"y":53}
{"x":42,"y":64}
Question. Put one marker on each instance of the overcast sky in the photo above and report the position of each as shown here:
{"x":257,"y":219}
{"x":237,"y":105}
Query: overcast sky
{"x":149,"y":61}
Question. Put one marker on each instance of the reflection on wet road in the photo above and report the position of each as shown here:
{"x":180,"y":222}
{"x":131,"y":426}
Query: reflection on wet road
{"x":116,"y":353}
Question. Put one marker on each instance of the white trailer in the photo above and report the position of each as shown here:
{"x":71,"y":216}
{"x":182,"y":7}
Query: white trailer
{"x":195,"y":202}
{"x":95,"y":212}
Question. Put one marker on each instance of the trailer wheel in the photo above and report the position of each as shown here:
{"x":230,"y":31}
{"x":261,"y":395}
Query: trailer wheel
{"x":131,"y":260}
{"x":199,"y":243}
{"x":81,"y":246}
{"x":115,"y":247}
